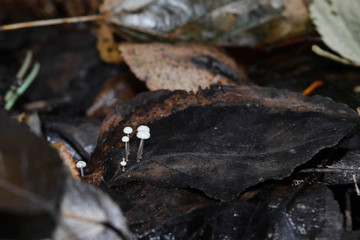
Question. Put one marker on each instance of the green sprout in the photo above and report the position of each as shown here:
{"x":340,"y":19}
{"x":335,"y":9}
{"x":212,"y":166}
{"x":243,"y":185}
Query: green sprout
{"x":16,"y":91}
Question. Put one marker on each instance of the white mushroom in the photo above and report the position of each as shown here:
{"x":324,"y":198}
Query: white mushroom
{"x":125,"y":139}
{"x":123,"y":164}
{"x":144,"y":128}
{"x":142,"y":135}
{"x":128,"y":130}
{"x":81,"y":165}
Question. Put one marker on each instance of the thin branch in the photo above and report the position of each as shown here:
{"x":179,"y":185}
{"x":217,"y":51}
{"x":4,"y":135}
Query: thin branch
{"x":51,"y":22}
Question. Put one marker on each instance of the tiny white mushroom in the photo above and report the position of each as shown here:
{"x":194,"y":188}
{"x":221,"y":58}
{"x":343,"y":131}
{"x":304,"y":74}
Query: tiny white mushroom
{"x":81,"y":165}
{"x":142,"y":135}
{"x":123,"y":164}
{"x":125,"y":139}
{"x":143,"y":128}
{"x":128,"y":130}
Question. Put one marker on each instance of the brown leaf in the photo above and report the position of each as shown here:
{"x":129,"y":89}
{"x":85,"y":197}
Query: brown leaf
{"x":107,"y":46}
{"x":67,"y":159}
{"x":121,"y":87}
{"x":180,"y":66}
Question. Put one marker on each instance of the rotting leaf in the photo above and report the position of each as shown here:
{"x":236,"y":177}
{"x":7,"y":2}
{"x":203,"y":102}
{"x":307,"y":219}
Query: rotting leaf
{"x":121,"y":87}
{"x":225,"y":22}
{"x":33,"y":184}
{"x":270,"y":214}
{"x":146,"y":206}
{"x":338,"y":24}
{"x":78,"y":134}
{"x":30,"y":182}
{"x":223,"y":140}
{"x":180,"y":66}
{"x":343,"y":171}
{"x":88,"y":213}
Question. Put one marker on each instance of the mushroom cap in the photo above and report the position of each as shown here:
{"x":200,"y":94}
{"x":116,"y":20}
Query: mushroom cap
{"x":125,"y":139}
{"x":123,"y":163}
{"x":144,"y":128}
{"x":128,"y":130}
{"x":81,"y":164}
{"x":143,"y":135}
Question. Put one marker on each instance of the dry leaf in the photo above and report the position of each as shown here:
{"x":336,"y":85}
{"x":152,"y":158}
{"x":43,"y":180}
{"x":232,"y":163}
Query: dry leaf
{"x":107,"y":46}
{"x":67,"y":159}
{"x":224,"y":22}
{"x":338,"y":24}
{"x":179,"y":66}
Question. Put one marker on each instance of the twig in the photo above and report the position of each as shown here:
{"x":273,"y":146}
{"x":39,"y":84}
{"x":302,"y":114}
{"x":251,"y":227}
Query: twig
{"x":51,"y":22}
{"x":316,"y":49}
{"x":330,"y":169}
{"x":356,"y":185}
{"x":15,"y":90}
{"x":15,"y":93}
{"x":348,"y":218}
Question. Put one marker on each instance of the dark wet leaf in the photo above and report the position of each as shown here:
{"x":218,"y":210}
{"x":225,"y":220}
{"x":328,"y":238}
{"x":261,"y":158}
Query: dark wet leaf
{"x":147,"y":206}
{"x":343,"y":172}
{"x":313,"y":214}
{"x":351,"y":235}
{"x":30,"y":171}
{"x":78,"y":134}
{"x":33,"y":185}
{"x":225,"y":22}
{"x":222,"y":141}
{"x":88,"y":213}
{"x":30,"y":181}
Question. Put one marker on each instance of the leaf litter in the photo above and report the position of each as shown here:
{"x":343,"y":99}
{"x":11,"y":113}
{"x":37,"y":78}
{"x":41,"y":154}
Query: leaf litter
{"x":258,"y":124}
{"x":180,"y":66}
{"x":215,"y":143}
{"x":34,"y":183}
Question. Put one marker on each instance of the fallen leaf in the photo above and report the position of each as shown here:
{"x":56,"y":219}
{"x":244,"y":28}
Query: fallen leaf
{"x":34,"y":185}
{"x":338,"y":24}
{"x":107,"y":46}
{"x":31,"y":178}
{"x":227,"y":23}
{"x":180,"y":66}
{"x":67,"y":159}
{"x":88,"y":213}
{"x":224,"y":140}
{"x":121,"y":87}
{"x":265,"y":216}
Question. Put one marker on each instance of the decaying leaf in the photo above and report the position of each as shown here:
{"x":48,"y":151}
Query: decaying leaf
{"x":225,"y":22}
{"x":79,"y":135}
{"x":224,"y":140}
{"x":313,"y":214}
{"x":87,"y":213}
{"x":68,"y":161}
{"x":343,"y":171}
{"x":31,"y":177}
{"x":147,"y":206}
{"x":33,"y":184}
{"x":121,"y":87}
{"x":107,"y":46}
{"x":180,"y":66}
{"x":26,"y":159}
{"x":338,"y":24}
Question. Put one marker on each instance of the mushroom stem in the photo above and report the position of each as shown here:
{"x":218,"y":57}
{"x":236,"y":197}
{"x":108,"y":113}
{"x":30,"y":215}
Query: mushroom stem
{"x":127,"y":146}
{"x":123,"y":164}
{"x":140,"y":150}
{"x":127,"y":151}
{"x":81,"y":165}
